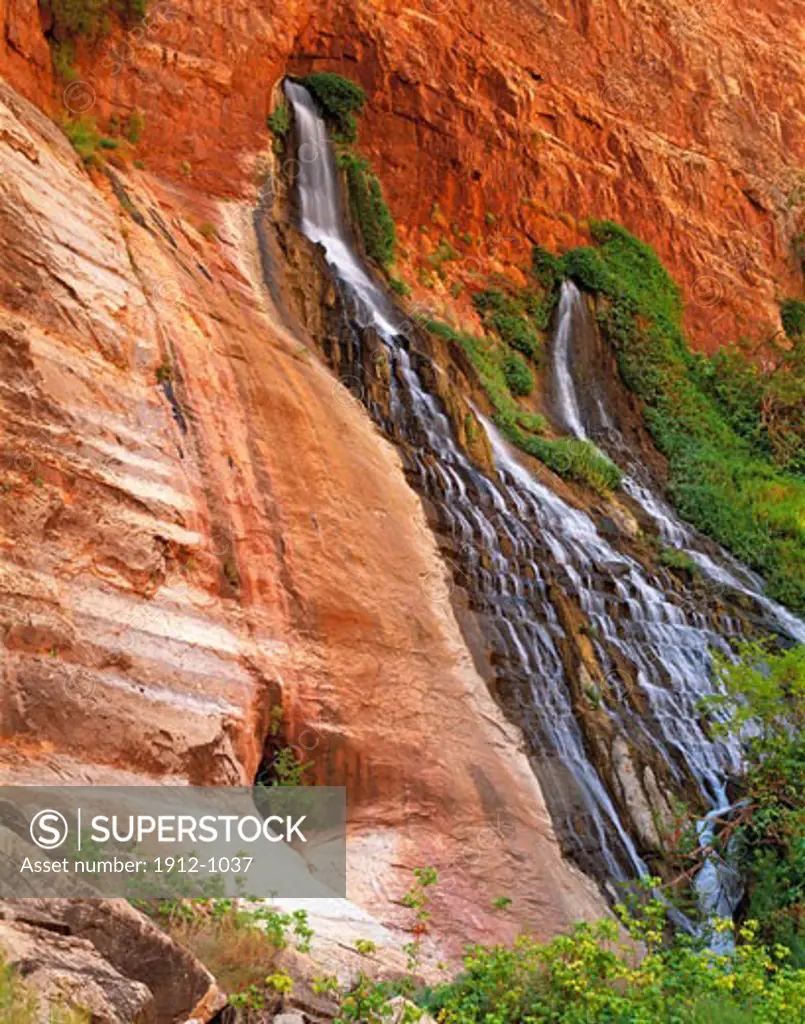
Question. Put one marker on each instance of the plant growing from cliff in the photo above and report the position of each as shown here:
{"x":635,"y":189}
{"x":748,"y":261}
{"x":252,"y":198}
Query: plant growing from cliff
{"x":369,"y":210}
{"x":286,"y":769}
{"x":763,"y":702}
{"x":84,"y":136}
{"x":71,"y":20}
{"x":417,"y":900}
{"x":510,"y":318}
{"x":719,"y":479}
{"x":518,"y":376}
{"x":341,"y":101}
{"x":135,"y":126}
{"x":792,"y":314}
{"x":20,"y":1004}
{"x":279,"y":123}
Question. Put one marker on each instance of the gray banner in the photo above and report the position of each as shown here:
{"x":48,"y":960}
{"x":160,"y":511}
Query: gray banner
{"x":172,"y":841}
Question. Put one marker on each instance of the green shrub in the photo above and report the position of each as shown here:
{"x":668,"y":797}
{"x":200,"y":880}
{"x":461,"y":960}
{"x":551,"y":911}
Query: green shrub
{"x":509,"y":318}
{"x":279,"y":123}
{"x":766,"y":690}
{"x":90,"y":19}
{"x":135,"y":126}
{"x":518,"y":376}
{"x":571,"y":459}
{"x":279,"y":120}
{"x":590,"y":977}
{"x":721,"y":478}
{"x":673,"y":558}
{"x":340,"y":99}
{"x":586,"y":267}
{"x":399,"y":287}
{"x":369,"y":209}
{"x":792,"y":313}
{"x":84,"y":135}
{"x":486,"y":356}
{"x":64,"y":60}
{"x":443,"y":253}
{"x":546,"y":267}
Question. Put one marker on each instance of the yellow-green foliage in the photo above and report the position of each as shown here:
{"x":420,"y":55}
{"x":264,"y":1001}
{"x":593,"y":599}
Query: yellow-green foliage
{"x":19,"y":1003}
{"x":84,"y":135}
{"x":736,"y":448}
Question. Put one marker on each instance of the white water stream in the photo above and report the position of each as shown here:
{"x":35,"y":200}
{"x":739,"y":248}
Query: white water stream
{"x":517,"y":546}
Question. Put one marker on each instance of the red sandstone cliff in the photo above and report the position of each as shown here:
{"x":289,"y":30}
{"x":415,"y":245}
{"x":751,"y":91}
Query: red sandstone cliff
{"x":164,"y":579}
{"x":682,"y":119}
{"x":170,"y":573}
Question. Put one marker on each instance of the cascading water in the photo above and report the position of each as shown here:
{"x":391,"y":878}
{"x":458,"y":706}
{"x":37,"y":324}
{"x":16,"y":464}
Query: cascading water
{"x":523,"y":555}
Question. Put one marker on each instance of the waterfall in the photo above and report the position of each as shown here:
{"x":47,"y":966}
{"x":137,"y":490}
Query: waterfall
{"x":522,"y":553}
{"x":569,"y":300}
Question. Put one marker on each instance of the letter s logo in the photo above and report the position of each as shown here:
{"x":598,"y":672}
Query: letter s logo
{"x":49,"y":829}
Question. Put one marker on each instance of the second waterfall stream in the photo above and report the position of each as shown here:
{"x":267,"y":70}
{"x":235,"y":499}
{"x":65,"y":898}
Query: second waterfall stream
{"x":526,"y":555}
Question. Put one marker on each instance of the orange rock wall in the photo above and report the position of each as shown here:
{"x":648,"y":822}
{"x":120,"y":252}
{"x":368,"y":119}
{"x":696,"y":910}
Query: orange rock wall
{"x":169,"y":573}
{"x":682,"y":119}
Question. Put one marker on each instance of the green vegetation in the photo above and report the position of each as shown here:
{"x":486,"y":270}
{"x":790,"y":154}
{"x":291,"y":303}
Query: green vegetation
{"x":590,"y":976}
{"x":341,"y":101}
{"x":71,"y":20}
{"x":238,"y":943}
{"x":792,"y":312}
{"x":732,"y":441}
{"x":19,"y":1003}
{"x":279,"y":123}
{"x":84,"y":136}
{"x":673,"y":558}
{"x":574,"y":460}
{"x":569,"y":458}
{"x":518,"y":376}
{"x":443,"y":253}
{"x":369,"y":209}
{"x":766,"y":690}
{"x":399,"y":287}
{"x":486,"y":355}
{"x":135,"y":126}
{"x":517,"y":320}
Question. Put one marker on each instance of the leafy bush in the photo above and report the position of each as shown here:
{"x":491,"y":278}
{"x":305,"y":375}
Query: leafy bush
{"x":518,"y":376}
{"x":399,"y":287}
{"x":507,"y":317}
{"x":792,"y":313}
{"x":586,"y":267}
{"x":340,"y":99}
{"x":546,"y":267}
{"x":589,"y":976}
{"x":372,"y":215}
{"x":238,"y":943}
{"x":569,"y":458}
{"x":279,"y":123}
{"x":673,"y":558}
{"x":84,"y":135}
{"x":486,"y":357}
{"x":279,"y":120}
{"x":90,"y":19}
{"x":720,"y":478}
{"x":764,"y":701}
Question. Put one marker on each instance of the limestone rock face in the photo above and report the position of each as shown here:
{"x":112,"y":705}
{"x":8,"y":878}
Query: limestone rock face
{"x":681,"y":119}
{"x":197,"y":523}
